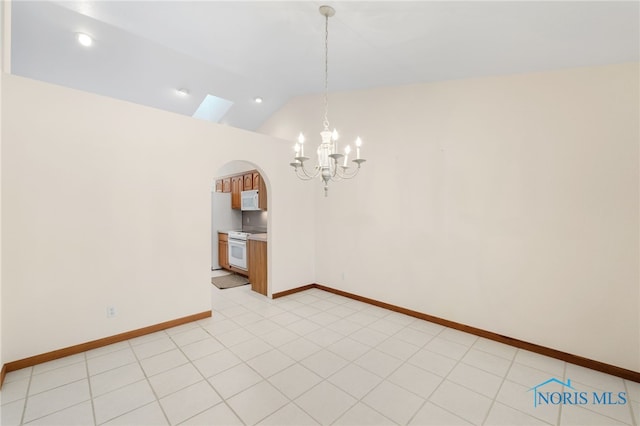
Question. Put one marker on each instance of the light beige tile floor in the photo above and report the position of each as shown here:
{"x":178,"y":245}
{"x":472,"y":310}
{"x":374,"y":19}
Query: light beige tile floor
{"x":308,"y":358}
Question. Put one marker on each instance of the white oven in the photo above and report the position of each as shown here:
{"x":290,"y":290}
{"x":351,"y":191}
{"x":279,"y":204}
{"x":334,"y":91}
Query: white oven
{"x":238,"y":249}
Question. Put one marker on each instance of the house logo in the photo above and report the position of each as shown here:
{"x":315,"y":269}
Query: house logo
{"x":572,"y":396}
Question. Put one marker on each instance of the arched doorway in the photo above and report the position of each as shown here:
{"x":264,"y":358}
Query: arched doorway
{"x":239,"y":227}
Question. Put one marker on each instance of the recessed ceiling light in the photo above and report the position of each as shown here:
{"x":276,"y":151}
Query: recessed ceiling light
{"x":258,"y":100}
{"x":182,"y":92}
{"x":84,"y":39}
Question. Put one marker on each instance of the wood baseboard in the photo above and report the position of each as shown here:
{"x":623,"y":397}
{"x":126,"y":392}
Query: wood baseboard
{"x":3,"y":373}
{"x":94,"y":344}
{"x":293,"y":290}
{"x":521,"y":344}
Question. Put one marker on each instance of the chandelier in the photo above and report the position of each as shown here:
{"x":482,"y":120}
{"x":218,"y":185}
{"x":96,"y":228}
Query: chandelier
{"x":331,"y":164}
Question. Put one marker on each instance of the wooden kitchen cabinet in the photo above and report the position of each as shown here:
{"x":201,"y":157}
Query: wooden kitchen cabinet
{"x":248,"y":182}
{"x":257,"y":259}
{"x":226,"y":184}
{"x":223,"y":250}
{"x":262,"y":194}
{"x":237,"y":186}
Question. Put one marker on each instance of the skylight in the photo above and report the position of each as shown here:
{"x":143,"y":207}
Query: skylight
{"x":212,"y":109}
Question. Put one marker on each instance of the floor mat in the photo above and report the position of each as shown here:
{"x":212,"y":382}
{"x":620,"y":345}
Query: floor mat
{"x":229,"y":281}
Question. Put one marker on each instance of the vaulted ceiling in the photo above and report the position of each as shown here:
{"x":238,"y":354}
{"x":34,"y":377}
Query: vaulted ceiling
{"x":144,"y":50}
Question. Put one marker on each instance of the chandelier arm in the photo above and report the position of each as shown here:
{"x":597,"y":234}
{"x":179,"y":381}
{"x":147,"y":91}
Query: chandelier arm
{"x":337,"y":175}
{"x":303,"y":177}
{"x":346,"y":173}
{"x":306,"y":175}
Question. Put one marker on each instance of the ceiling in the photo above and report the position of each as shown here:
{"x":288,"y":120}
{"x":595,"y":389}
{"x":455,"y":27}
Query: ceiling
{"x":145,"y":50}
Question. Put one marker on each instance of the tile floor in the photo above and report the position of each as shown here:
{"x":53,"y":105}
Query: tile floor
{"x":305,"y":359}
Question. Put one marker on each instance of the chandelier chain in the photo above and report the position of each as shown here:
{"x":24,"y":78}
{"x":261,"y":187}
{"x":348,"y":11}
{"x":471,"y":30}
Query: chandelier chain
{"x":326,"y":72}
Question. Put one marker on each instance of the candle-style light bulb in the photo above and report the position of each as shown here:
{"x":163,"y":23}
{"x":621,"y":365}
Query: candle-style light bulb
{"x":358,"y":144}
{"x":334,"y":138}
{"x":301,"y":142}
{"x":347,"y":150}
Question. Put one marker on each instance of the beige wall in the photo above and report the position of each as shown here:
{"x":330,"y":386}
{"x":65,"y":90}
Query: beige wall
{"x":108,"y":203}
{"x":509,"y":204}
{"x":506,"y":203}
{"x":5,"y":67}
{"x":1,"y":329}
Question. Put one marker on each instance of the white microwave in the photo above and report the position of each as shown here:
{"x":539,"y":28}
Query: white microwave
{"x":249,"y":200}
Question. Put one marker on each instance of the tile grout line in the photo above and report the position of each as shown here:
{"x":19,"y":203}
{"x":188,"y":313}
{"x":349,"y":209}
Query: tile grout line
{"x":564,"y":377}
{"x":323,"y":379}
{"x":26,"y":397}
{"x":459,"y":361}
{"x":493,"y":403}
{"x":47,"y":390}
{"x":146,"y":379}
{"x":299,"y":362}
{"x":224,"y":400}
{"x":607,"y":415}
{"x":403,"y":362}
{"x":504,"y":379}
{"x":206,"y":379}
{"x":444,"y":379}
{"x":266,"y":379}
{"x":633,"y":419}
{"x":402,"y":387}
{"x":351,"y":362}
{"x":93,"y":407}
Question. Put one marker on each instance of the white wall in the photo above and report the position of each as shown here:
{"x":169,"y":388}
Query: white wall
{"x":506,"y":203}
{"x":4,"y":64}
{"x":233,"y":168}
{"x":108,"y":203}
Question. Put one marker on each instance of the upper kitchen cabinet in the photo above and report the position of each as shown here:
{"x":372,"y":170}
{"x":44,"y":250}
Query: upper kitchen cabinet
{"x":262,"y":194}
{"x":248,"y":181}
{"x":237,"y":186}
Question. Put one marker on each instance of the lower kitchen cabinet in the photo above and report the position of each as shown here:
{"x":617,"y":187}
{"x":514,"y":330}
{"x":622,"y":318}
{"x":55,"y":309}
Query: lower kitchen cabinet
{"x":257,"y":257}
{"x":223,"y":250}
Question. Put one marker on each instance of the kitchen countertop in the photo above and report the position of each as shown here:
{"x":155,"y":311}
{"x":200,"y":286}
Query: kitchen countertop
{"x":258,"y":237}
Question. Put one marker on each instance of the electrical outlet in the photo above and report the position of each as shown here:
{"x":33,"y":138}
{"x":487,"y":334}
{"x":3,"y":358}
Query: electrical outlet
{"x":111,"y":311}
